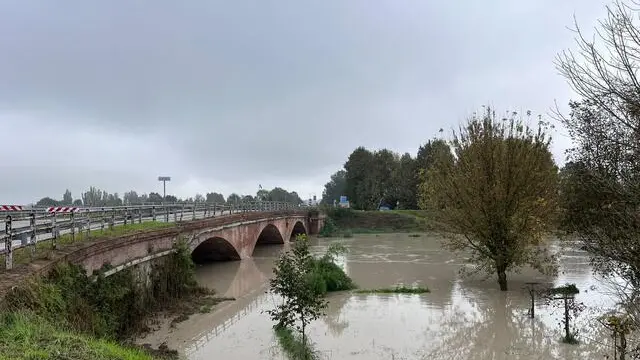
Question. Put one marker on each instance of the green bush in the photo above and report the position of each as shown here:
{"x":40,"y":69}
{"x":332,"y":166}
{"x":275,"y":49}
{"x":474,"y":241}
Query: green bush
{"x":114,"y":307}
{"x":329,"y":229}
{"x":327,"y":275}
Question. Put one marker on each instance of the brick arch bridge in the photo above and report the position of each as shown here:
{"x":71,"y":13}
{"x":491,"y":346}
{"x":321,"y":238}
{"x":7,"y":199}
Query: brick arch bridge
{"x":233,"y":242}
{"x":231,"y":237}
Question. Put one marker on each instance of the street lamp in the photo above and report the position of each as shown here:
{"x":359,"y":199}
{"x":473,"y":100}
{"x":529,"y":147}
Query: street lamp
{"x":164,"y":180}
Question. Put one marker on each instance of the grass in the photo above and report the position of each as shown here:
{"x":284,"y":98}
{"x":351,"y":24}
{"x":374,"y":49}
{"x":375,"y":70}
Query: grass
{"x":292,"y":345}
{"x":26,"y":336}
{"x":400,"y":289}
{"x":44,"y":248}
{"x":345,"y":222}
{"x":571,"y":340}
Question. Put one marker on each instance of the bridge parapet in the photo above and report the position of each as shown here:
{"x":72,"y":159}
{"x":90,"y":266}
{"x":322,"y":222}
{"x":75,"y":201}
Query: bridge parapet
{"x":25,"y":228}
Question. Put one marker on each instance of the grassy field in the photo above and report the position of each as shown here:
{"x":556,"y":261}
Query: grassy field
{"x":24,"y":336}
{"x":44,"y":248}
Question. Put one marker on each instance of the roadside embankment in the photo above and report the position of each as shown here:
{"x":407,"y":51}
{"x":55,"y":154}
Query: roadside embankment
{"x":344,"y":222}
{"x":69,"y":314}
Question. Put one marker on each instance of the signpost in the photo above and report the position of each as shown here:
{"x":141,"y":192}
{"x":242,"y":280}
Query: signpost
{"x":164,"y":180}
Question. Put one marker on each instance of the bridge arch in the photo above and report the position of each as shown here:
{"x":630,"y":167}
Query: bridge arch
{"x":214,"y":249}
{"x":298,"y":228}
{"x":270,"y":234}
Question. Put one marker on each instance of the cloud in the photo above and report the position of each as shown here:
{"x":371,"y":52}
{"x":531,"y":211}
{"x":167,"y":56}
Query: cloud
{"x":223,"y":96}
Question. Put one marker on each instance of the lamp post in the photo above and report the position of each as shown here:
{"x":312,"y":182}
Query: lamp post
{"x":164,"y":180}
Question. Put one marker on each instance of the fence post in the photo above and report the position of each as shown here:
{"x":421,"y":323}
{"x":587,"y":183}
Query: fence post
{"x":113,"y":219}
{"x":8,"y":258}
{"x":140,"y":216}
{"x":175,"y":215}
{"x":73,"y":227}
{"x":194,"y":210}
{"x":166,"y":213}
{"x":214,"y":210}
{"x":32,"y":220}
{"x":206,"y":208}
{"x":182,"y":212}
{"x":126,"y":215}
{"x":153,"y":213}
{"x":102,"y":220}
{"x":54,"y":231}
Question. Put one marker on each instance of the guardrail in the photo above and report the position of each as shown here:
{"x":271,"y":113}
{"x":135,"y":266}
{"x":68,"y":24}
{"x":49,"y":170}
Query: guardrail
{"x":27,"y":227}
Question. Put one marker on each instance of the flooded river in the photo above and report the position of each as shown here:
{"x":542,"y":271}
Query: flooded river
{"x":461,"y":318}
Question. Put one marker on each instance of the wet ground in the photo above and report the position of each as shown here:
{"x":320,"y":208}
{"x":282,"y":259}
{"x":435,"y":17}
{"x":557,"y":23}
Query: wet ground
{"x":461,"y":318}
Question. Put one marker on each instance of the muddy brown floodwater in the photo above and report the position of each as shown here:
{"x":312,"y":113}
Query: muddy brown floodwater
{"x":461,"y":318}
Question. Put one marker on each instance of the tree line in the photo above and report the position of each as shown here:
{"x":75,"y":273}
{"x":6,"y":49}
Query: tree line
{"x":371,"y":179}
{"x":98,"y":197}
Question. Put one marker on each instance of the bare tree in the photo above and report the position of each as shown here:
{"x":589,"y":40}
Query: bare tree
{"x":604,"y":190}
{"x":605,"y":124}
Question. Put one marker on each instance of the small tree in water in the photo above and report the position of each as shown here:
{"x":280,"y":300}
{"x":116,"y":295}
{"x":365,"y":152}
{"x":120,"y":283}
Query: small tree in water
{"x":293,"y":280}
{"x":496,"y":194}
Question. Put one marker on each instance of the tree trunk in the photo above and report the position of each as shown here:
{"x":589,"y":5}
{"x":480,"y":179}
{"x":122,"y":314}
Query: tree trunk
{"x":623,"y":346}
{"x":502,"y":277}
{"x":567,"y":333}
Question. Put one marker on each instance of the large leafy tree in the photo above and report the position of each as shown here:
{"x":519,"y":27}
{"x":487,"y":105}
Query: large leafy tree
{"x":335,"y":188}
{"x":405,"y":182}
{"x":358,"y":179}
{"x":496,"y":199}
{"x":215,"y":197}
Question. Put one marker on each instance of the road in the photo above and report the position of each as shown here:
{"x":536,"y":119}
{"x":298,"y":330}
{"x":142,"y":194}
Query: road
{"x":24,"y":224}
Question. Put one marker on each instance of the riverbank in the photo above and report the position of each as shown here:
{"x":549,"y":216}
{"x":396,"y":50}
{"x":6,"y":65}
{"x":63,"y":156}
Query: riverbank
{"x":345,"y":222}
{"x":95,"y":318}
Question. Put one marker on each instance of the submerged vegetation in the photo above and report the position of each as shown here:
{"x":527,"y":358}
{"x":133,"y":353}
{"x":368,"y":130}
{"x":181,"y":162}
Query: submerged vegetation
{"x":293,"y":346}
{"x":400,"y":289}
{"x":302,"y":281}
{"x":70,"y":306}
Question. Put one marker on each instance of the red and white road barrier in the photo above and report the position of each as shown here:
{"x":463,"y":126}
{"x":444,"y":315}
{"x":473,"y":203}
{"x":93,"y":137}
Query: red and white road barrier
{"x":63,"y":209}
{"x":11,"y":208}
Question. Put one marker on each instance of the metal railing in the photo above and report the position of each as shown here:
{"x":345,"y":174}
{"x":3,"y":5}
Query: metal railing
{"x":26,"y":228}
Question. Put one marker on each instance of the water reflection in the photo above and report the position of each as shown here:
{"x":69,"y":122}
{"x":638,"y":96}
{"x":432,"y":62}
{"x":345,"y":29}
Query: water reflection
{"x":460,"y":319}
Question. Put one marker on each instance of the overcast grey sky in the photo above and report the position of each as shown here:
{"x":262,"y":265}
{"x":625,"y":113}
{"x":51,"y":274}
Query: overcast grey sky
{"x":226,"y":95}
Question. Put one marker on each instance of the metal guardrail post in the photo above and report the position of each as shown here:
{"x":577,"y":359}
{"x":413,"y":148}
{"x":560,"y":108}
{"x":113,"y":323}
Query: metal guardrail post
{"x":8,"y":257}
{"x":73,"y":227}
{"x":54,"y":231}
{"x":88,"y":222}
{"x":32,"y":221}
{"x":102,"y":216}
{"x":166,"y":213}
